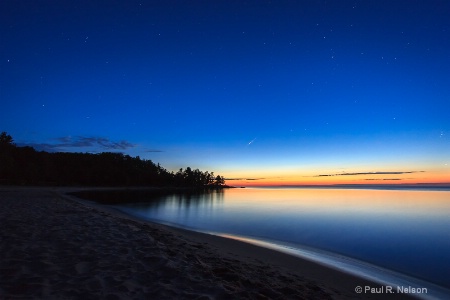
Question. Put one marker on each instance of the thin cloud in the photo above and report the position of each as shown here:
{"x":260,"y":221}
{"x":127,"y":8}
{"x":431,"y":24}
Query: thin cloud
{"x":388,"y":179}
{"x":67,"y":143}
{"x":370,"y":173}
{"x":99,"y":141}
{"x":65,"y":139}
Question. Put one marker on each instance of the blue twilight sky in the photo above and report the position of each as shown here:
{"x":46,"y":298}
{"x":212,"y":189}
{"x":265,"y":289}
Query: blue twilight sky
{"x":279,"y":91}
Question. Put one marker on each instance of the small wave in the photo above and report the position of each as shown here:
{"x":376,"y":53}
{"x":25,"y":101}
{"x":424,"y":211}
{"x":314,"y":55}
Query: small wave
{"x":349,"y":265}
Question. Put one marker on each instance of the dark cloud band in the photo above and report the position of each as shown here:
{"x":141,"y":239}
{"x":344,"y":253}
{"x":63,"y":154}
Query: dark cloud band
{"x":100,"y":143}
{"x":369,"y":173}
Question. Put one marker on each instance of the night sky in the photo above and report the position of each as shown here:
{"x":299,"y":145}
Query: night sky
{"x":261,"y":92}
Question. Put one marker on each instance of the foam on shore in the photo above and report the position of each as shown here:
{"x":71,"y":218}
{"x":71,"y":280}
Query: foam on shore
{"x":398,"y":281}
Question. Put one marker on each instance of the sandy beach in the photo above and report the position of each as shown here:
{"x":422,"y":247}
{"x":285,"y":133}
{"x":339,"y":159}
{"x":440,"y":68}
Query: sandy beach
{"x":54,"y":246}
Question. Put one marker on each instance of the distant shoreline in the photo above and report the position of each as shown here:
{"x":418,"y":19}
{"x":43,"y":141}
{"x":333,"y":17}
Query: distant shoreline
{"x":403,"y":186}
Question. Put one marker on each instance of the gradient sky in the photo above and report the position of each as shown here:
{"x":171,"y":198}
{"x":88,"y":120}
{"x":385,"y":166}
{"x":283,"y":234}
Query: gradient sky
{"x":263,"y":92}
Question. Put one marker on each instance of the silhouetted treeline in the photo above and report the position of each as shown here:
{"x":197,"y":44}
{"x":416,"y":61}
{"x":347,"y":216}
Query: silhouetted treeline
{"x":26,"y":166}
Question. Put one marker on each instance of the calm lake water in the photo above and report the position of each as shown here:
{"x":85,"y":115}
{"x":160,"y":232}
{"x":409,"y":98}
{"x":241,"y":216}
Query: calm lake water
{"x":407,"y":231}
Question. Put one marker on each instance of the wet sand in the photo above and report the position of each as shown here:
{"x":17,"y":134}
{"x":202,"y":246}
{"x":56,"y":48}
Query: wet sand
{"x":55,"y":246}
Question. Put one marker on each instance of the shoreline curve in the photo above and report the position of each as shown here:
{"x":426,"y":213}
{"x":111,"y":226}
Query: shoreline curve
{"x":55,"y":245}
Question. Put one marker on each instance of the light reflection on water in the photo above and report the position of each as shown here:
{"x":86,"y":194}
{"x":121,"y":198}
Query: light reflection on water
{"x":402,"y":230}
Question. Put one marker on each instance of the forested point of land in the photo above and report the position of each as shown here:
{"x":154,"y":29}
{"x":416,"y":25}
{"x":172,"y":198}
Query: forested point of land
{"x":26,"y":166}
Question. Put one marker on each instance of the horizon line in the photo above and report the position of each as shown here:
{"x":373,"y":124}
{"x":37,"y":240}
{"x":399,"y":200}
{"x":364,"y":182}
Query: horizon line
{"x":423,"y":185}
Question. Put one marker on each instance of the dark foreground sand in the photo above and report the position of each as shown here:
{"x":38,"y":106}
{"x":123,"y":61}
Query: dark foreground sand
{"x":55,"y":247}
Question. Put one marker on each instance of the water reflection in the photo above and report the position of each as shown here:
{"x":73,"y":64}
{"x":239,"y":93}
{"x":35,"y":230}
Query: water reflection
{"x":151,"y":196}
{"x":180,"y":207}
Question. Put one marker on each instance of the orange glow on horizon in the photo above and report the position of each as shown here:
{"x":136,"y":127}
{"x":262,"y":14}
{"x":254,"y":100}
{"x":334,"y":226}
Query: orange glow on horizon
{"x":437,"y":177}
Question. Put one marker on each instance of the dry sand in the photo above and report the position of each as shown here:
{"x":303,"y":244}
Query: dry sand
{"x":56,"y":247}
